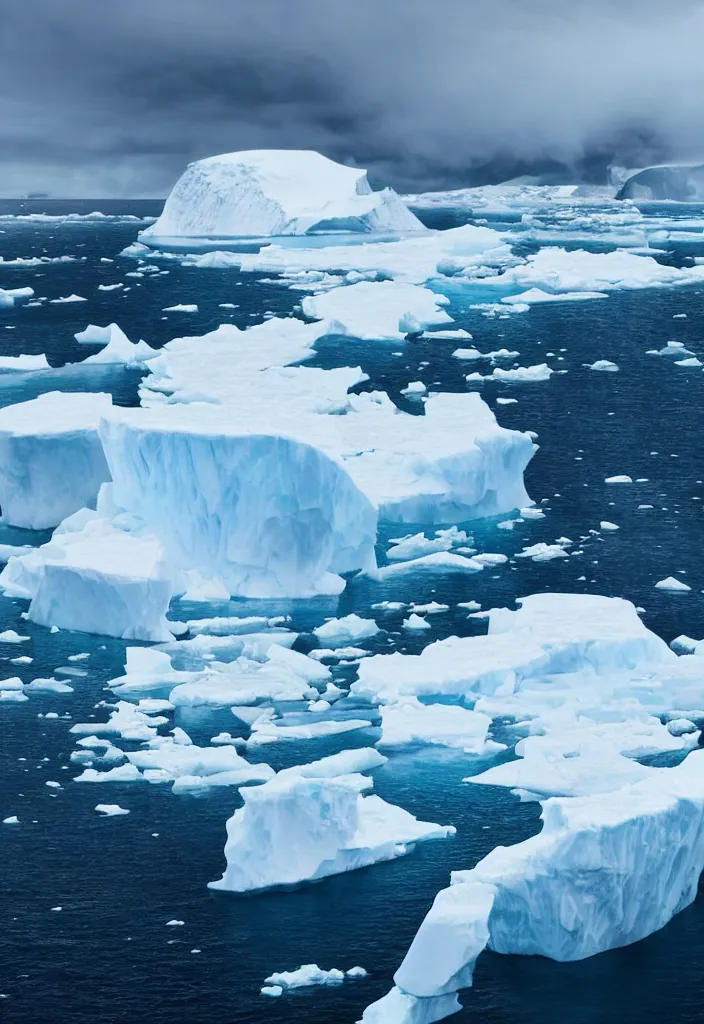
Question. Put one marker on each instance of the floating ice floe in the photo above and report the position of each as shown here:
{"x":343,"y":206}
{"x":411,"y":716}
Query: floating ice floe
{"x":315,"y":827}
{"x":277,"y":192}
{"x":51,"y":459}
{"x":311,"y":974}
{"x":111,"y":810}
{"x":347,"y":630}
{"x":519,"y":375}
{"x":24,"y":363}
{"x":384,"y":310}
{"x":64,"y":299}
{"x":9,"y":297}
{"x":446,"y":725}
{"x":536,"y":296}
{"x":265,"y":731}
{"x":604,"y":365}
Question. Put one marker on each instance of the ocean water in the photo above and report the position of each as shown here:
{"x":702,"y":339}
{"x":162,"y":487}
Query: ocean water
{"x":107,"y":956}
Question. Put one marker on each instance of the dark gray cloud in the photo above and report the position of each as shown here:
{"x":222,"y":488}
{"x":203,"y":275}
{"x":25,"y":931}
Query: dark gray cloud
{"x":115,"y":98}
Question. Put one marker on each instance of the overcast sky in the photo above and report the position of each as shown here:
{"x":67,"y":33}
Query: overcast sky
{"x":114,"y":97}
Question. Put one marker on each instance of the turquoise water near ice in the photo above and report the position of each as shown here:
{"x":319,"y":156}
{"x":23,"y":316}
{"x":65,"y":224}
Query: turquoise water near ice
{"x":107,"y":956}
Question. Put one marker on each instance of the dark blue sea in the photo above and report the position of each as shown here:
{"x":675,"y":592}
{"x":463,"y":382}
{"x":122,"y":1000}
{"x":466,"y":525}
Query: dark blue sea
{"x":106,"y":956}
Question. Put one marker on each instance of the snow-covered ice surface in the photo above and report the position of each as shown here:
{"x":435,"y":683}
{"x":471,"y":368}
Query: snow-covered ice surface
{"x":578,"y":704}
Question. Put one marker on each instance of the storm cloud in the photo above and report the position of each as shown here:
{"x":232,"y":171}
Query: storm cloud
{"x":114,"y":99}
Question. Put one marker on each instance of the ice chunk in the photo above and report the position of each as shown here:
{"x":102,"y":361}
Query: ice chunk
{"x":62,"y":300}
{"x":24,"y":363}
{"x":95,"y":578}
{"x":277,"y":192}
{"x":51,"y":459}
{"x":520,"y":375}
{"x":623,"y":479}
{"x":673,"y":584}
{"x":604,"y":365}
{"x":417,"y":546}
{"x":265,"y":731}
{"x":446,"y":725}
{"x":10,"y":296}
{"x":182,"y":307}
{"x":121,"y":773}
{"x":110,"y":810}
{"x":440,"y":561}
{"x":308,"y":974}
{"x":179,"y":760}
{"x":314,"y":827}
{"x":350,"y":629}
{"x":384,"y":310}
{"x":416,"y":622}
{"x":11,"y":636}
{"x":118,"y":347}
{"x":536,"y":296}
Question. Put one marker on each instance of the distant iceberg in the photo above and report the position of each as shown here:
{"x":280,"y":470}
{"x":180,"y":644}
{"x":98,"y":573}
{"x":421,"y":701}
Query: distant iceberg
{"x":277,"y":192}
{"x":683,"y":183}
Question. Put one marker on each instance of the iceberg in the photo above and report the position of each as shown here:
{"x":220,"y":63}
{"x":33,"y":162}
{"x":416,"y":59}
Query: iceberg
{"x":299,"y":828}
{"x":605,"y":871}
{"x":277,"y":192}
{"x":682,"y":183}
{"x":51,"y":458}
{"x":96,"y":578}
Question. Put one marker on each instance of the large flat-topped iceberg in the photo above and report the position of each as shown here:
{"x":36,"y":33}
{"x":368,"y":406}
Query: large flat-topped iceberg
{"x":51,"y":459}
{"x":277,"y":192}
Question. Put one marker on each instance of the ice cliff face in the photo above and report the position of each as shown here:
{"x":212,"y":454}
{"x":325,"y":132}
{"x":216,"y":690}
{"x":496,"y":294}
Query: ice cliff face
{"x":51,"y":459}
{"x":265,"y":514}
{"x":277,"y":192}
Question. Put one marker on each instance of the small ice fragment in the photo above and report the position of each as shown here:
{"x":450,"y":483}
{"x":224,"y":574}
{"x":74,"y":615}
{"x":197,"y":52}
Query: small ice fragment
{"x":415,"y":622}
{"x":670,"y":583}
{"x":607,"y":526}
{"x":111,"y":810}
{"x":9,"y":636}
{"x":604,"y":364}
{"x":618,"y":480}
